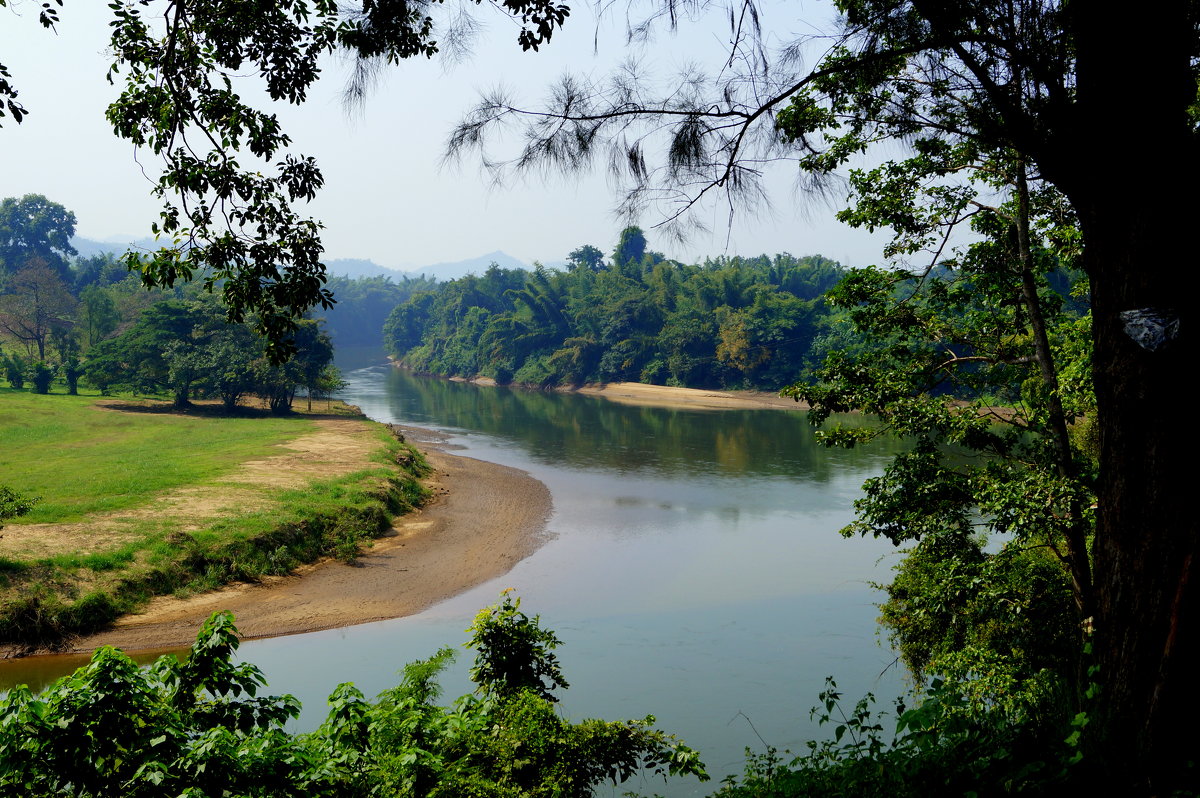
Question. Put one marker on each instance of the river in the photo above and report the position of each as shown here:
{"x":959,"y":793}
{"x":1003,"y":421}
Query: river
{"x":692,"y":567}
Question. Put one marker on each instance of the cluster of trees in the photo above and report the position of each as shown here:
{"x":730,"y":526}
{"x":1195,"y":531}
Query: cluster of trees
{"x":729,"y":322}
{"x":188,"y":348}
{"x":198,"y":728}
{"x":70,"y":318}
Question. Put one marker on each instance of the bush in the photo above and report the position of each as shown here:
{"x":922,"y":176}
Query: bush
{"x":41,"y":374}
{"x":943,"y":746}
{"x":14,"y":371}
{"x":197,"y":727}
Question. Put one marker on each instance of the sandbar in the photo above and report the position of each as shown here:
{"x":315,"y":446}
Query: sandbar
{"x":642,"y":394}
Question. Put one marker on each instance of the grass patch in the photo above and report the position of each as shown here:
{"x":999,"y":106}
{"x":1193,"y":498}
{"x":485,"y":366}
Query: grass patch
{"x":46,"y":598}
{"x":115,"y":457}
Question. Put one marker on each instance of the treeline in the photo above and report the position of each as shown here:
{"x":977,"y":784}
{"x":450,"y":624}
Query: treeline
{"x":69,"y":319}
{"x":363,"y":305}
{"x":729,"y":322}
{"x":187,"y":348}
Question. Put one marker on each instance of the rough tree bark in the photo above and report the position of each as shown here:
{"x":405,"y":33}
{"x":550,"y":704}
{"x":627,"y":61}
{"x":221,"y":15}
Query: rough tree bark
{"x":1133,"y":168}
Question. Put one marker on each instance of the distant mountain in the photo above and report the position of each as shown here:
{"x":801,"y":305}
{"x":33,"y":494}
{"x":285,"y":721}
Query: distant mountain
{"x":448,"y":270}
{"x":340,"y":267}
{"x":358,"y":267}
{"x":87,"y":247}
{"x":452,"y":270}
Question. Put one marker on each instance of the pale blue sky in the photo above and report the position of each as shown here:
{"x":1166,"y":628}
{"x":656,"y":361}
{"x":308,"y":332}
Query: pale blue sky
{"x":385,"y":197}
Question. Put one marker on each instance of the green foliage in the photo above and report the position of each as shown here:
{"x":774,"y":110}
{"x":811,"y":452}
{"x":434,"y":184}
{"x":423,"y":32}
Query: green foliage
{"x":188,"y":349}
{"x":15,"y":368}
{"x":506,"y":741}
{"x":731,"y":322}
{"x":198,"y":727}
{"x":515,"y":653}
{"x":193,"y":727}
{"x":41,"y":374}
{"x":980,"y":363}
{"x":944,"y":745}
{"x":13,"y":504}
{"x":34,"y":228}
{"x":999,"y":627}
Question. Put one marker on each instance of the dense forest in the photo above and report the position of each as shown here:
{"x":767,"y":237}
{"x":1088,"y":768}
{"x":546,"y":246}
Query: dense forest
{"x":363,"y":305}
{"x":70,"y":319}
{"x":729,"y":322}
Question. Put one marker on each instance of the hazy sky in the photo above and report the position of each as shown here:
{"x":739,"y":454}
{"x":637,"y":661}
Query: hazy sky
{"x":386,"y":197}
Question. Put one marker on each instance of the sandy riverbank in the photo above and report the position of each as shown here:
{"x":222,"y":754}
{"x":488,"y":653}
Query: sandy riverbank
{"x":483,"y":519}
{"x":637,"y":393}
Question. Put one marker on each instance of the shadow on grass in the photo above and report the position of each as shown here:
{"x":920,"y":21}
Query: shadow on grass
{"x":207,"y":409}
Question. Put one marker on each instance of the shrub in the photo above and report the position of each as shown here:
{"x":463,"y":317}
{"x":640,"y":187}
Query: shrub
{"x":41,"y":374}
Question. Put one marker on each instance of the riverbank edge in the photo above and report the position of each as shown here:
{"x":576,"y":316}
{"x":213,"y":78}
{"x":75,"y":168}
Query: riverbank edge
{"x":480,"y":520}
{"x":644,"y":394}
{"x":40,"y":622}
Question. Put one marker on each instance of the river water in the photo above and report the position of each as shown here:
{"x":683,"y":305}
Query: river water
{"x":692,"y":567}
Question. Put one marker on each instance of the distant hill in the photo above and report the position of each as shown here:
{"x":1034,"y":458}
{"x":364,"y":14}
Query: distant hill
{"x":87,"y":247}
{"x":338,"y":267}
{"x":447,"y":270}
{"x":358,"y":267}
{"x":452,"y":270}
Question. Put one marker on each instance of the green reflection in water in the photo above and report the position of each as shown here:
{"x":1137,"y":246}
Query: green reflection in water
{"x":595,"y":433}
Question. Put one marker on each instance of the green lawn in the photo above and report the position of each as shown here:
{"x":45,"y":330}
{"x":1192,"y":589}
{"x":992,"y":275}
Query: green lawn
{"x":136,"y":500}
{"x":82,"y":459}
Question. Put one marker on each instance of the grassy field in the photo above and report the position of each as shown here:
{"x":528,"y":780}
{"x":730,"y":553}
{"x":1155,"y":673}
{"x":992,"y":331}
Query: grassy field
{"x":135,"y":501}
{"x":83,"y":457}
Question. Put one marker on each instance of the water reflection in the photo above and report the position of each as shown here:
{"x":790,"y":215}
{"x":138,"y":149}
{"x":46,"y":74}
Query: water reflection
{"x":592,"y":432}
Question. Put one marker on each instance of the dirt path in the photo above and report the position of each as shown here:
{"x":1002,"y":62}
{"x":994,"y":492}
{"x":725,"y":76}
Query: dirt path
{"x":483,"y":520}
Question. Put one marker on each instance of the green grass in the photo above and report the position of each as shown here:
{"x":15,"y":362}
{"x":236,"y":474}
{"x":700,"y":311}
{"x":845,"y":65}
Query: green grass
{"x":81,"y":459}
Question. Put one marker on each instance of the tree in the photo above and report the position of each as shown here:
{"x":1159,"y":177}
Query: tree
{"x":38,"y":303}
{"x":157,"y":353}
{"x":980,"y":325}
{"x":586,"y":257}
{"x":630,"y":249}
{"x":98,"y":314}
{"x":1037,"y":79}
{"x":33,"y":227}
{"x":277,"y":383}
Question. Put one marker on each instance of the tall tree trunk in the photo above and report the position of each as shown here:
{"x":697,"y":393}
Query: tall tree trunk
{"x":1077,"y":527}
{"x":1138,"y":256}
